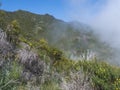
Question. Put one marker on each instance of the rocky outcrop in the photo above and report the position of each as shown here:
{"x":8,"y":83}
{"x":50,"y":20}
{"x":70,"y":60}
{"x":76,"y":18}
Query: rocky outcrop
{"x":33,"y":66}
{"x":6,"y":50}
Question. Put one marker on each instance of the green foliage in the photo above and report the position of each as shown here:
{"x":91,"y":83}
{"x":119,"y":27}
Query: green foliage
{"x":103,"y":75}
{"x":13,"y":32}
{"x":49,"y":85}
{"x":55,"y":54}
{"x":15,"y":71}
{"x":2,"y":20}
{"x":57,"y":58}
{"x":64,"y":65}
{"x":9,"y":76}
{"x":43,"y":44}
{"x":58,"y":33}
{"x":21,"y":29}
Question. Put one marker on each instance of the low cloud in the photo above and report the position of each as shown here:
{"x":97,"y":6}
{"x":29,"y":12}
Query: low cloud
{"x":102,"y":15}
{"x":107,"y":22}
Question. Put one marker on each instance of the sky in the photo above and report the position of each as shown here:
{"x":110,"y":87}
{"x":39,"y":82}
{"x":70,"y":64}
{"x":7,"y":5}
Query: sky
{"x":102,"y":15}
{"x":61,"y":9}
{"x":53,"y":7}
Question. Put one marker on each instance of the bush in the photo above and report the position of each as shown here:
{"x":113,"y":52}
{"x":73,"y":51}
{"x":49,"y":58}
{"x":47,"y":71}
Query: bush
{"x":103,"y":75}
{"x":9,"y":76}
{"x":49,"y":85}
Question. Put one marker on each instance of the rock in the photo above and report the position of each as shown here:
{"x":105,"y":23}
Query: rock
{"x":31,"y":61}
{"x":33,"y":65}
{"x":6,"y":50}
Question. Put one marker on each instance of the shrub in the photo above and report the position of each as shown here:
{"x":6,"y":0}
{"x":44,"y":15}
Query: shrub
{"x":49,"y":85}
{"x":103,"y":75}
{"x":9,"y":76}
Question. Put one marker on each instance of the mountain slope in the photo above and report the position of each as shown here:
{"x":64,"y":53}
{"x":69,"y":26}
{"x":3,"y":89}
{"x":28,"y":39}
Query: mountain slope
{"x":71,"y":37}
{"x":29,"y":62}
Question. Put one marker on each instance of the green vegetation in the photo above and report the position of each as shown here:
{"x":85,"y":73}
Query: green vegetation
{"x":10,"y":76}
{"x":59,"y":34}
{"x":50,"y":85}
{"x":16,"y":74}
{"x":13,"y":32}
{"x":103,"y":75}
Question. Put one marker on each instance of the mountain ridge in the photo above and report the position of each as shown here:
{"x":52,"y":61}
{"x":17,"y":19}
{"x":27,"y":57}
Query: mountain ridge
{"x":68,"y":36}
{"x":43,"y":53}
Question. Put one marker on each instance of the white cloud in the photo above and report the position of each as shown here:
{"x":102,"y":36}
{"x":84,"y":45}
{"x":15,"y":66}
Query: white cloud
{"x":107,"y":22}
{"x":103,"y":15}
{"x":83,"y":10}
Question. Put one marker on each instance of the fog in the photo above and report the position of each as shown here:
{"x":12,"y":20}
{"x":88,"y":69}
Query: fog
{"x":102,"y":15}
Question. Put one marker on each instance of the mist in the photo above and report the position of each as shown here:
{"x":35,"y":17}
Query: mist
{"x":102,"y":15}
{"x":107,"y":23}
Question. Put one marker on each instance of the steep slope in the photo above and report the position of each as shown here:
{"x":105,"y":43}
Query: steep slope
{"x":29,"y":65}
{"x":72,"y":37}
{"x":28,"y":62}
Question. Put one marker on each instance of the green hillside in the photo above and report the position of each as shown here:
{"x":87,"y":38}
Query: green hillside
{"x":67,"y":36}
{"x":39,"y":52}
